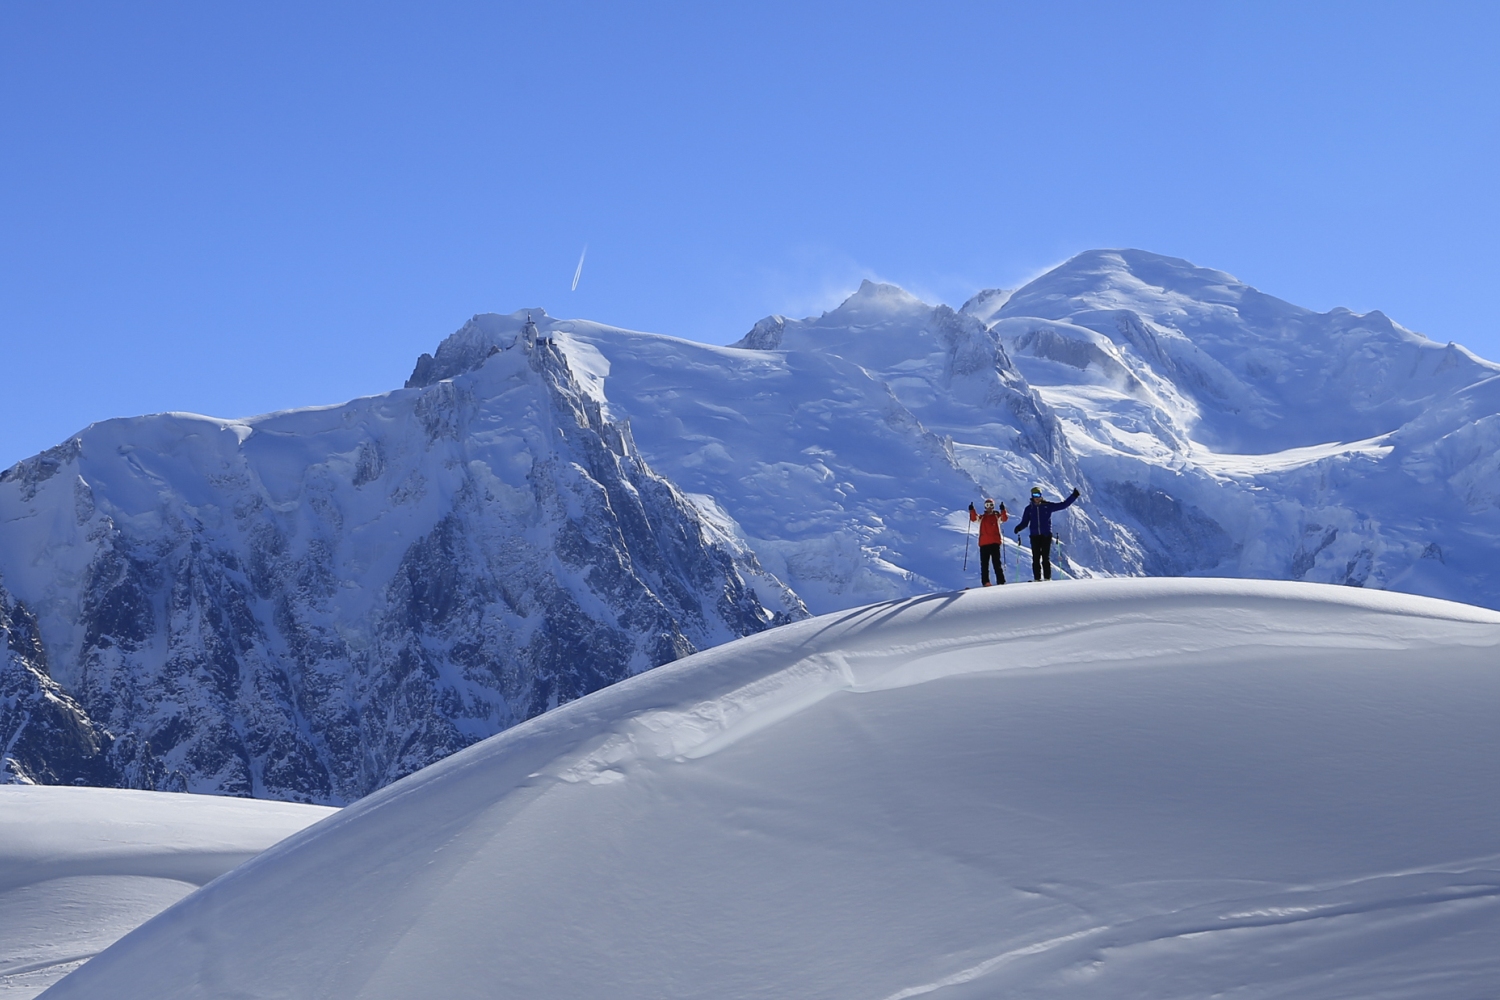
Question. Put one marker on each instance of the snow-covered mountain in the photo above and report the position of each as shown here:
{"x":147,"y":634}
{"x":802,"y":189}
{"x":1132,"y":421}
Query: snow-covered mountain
{"x":310,"y":604}
{"x":1212,"y":428}
{"x":1233,"y":433}
{"x":1103,"y":789}
{"x":830,"y":446}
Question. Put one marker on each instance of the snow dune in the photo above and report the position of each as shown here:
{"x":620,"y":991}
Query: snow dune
{"x":1102,"y":788}
{"x":79,"y":867}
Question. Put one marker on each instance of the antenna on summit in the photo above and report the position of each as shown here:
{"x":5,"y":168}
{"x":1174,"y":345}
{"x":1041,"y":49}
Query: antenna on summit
{"x":531,"y":336}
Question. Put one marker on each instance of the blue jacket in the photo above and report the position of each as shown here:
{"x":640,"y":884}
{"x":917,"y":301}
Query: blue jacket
{"x":1038,"y":516}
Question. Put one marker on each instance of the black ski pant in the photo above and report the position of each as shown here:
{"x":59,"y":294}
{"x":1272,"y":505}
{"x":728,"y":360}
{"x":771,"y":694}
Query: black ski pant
{"x":988,"y":554}
{"x":1041,"y":557}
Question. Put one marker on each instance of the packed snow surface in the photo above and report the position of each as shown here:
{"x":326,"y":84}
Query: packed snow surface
{"x":1101,"y":788}
{"x":79,"y":867}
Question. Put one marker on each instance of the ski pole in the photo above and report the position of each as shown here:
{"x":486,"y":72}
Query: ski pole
{"x":967,"y":525}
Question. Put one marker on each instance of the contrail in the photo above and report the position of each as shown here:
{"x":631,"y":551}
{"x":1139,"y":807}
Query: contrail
{"x":578,"y":273}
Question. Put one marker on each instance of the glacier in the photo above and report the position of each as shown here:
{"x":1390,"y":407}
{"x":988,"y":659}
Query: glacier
{"x":309,"y":605}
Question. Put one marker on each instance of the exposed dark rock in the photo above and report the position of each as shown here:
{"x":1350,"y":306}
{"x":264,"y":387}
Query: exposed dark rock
{"x":765,"y":335}
{"x":45,"y":736}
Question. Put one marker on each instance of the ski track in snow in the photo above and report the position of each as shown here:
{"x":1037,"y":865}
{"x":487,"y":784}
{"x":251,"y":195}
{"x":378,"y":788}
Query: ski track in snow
{"x":1436,"y":893}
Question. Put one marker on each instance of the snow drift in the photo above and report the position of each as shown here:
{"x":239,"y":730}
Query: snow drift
{"x":1099,"y":788}
{"x":79,"y":867}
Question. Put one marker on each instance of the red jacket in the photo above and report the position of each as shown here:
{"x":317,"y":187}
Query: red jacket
{"x":989,"y":525}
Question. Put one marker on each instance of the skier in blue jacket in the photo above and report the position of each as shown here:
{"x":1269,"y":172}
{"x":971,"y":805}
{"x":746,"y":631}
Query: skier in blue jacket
{"x":1038,"y":518}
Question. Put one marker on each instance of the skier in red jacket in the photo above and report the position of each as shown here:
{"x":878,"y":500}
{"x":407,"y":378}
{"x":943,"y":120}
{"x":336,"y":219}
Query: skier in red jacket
{"x":989,"y":539}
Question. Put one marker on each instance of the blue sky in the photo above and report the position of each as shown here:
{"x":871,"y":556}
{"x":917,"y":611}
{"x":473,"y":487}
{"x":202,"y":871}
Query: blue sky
{"x":237,"y":208}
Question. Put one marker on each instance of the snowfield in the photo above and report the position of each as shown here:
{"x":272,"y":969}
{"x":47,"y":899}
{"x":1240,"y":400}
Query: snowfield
{"x":1099,"y":788}
{"x":79,"y":867}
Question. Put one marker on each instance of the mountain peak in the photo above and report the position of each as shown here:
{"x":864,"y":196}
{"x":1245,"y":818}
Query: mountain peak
{"x":765,"y":335}
{"x":473,"y":342}
{"x":984,"y":305}
{"x":1108,"y":278}
{"x":877,"y":302}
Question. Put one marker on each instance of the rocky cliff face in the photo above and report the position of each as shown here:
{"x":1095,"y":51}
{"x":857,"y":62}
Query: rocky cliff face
{"x":310,"y":605}
{"x":46,"y":737}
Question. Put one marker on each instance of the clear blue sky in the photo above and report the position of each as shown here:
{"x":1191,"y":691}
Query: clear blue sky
{"x":234,"y":208}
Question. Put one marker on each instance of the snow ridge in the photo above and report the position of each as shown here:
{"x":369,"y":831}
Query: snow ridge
{"x":1112,"y":788}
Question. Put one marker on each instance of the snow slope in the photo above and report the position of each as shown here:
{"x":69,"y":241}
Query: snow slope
{"x":1249,"y":372}
{"x":1106,"y":788}
{"x":79,"y":867}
